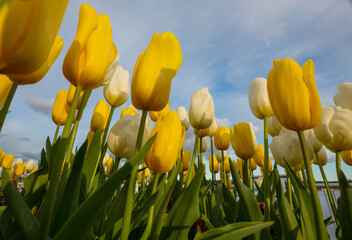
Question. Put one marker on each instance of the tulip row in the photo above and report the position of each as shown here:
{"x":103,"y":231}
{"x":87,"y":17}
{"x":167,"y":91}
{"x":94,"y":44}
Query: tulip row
{"x":174,"y":200}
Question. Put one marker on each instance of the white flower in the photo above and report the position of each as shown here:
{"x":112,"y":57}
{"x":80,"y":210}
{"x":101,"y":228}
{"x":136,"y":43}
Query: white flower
{"x":183,"y":114}
{"x":201,"y":110}
{"x":258,"y":98}
{"x":344,"y":95}
{"x":274,"y":126}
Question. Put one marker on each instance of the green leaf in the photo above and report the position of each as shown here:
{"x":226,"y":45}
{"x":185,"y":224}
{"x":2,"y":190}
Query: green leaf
{"x":185,"y":211}
{"x":229,"y":205}
{"x":207,"y":223}
{"x":216,"y":200}
{"x":78,"y":225}
{"x":345,"y":206}
{"x":70,"y":196}
{"x":234,"y":231}
{"x":289,"y":222}
{"x":23,"y":216}
{"x":92,"y":160}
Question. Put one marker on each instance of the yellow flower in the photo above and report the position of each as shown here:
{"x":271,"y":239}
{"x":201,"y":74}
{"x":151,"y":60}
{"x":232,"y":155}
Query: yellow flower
{"x":253,"y":165}
{"x":229,"y":183}
{"x":154,"y":115}
{"x":5,"y":86}
{"x":17,"y":170}
{"x":92,"y":50}
{"x":28,"y":30}
{"x":38,"y":74}
{"x":243,"y":140}
{"x":202,"y":132}
{"x":185,"y":175}
{"x":100,"y":116}
{"x":2,"y":156}
{"x":216,"y":164}
{"x":293,"y":95}
{"x":34,"y":169}
{"x":128,"y":111}
{"x":227,"y":164}
{"x":153,"y":72}
{"x":347,"y":157}
{"x":259,"y":155}
{"x":163,"y":154}
{"x":186,"y":159}
{"x":238,"y":165}
{"x":71,"y":94}
{"x":60,"y":108}
{"x":222,"y":138}
{"x":7,"y":161}
{"x":108,"y":166}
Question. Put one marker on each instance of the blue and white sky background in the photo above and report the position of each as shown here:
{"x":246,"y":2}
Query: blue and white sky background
{"x":225,"y":44}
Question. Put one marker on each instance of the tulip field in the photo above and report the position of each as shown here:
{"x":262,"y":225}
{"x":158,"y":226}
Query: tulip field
{"x":134,"y":179}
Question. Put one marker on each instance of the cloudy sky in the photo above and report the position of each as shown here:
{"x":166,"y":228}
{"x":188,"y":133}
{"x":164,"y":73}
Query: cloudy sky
{"x":225,"y":44}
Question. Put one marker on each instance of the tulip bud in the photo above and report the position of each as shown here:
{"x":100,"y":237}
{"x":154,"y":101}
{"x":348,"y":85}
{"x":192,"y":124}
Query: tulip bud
{"x":229,"y":183}
{"x":30,"y":166}
{"x":323,"y":157}
{"x":218,"y":155}
{"x":60,"y":108}
{"x":153,"y":72}
{"x":89,"y":137}
{"x":28,"y":30}
{"x":243,"y":140}
{"x":71,"y":94}
{"x":108,"y":166}
{"x":347,"y":157}
{"x":18,"y":160}
{"x":183,"y":114}
{"x":227,"y":164}
{"x":259,"y":181}
{"x":239,"y":166}
{"x":17,"y":169}
{"x":216,"y":164}
{"x":2,"y":156}
{"x":7,"y":161}
{"x":314,"y":141}
{"x":128,"y":111}
{"x":222,"y":138}
{"x":139,"y":177}
{"x":274,"y":126}
{"x":154,"y":115}
{"x":89,"y":55}
{"x":293,"y":95}
{"x":344,"y":95}
{"x":202,"y":132}
{"x":163,"y":154}
{"x":185,"y":175}
{"x":213,"y":128}
{"x":100,"y":116}
{"x":258,"y":156}
{"x":334,"y":130}
{"x":186,"y":159}
{"x":117,"y":89}
{"x":105,"y":159}
{"x":201,"y":110}
{"x":204,"y":144}
{"x":122,"y":137}
{"x":5,"y":87}
{"x":253,"y":165}
{"x":287,"y":146}
{"x":34,"y":169}
{"x":258,"y":98}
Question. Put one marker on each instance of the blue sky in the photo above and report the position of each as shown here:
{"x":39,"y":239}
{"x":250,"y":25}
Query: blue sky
{"x":225,"y":44}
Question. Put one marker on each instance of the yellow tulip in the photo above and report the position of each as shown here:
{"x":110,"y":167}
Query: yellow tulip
{"x":139,"y":177}
{"x":154,"y":115}
{"x":216,"y":164}
{"x":5,"y":86}
{"x":90,"y":137}
{"x":182,"y":141}
{"x":146,"y":171}
{"x":253,"y":165}
{"x":229,"y":183}
{"x":293,"y":95}
{"x":90,"y":54}
{"x":18,"y":169}
{"x":238,"y":165}
{"x":128,"y":111}
{"x":202,"y":132}
{"x":163,"y":154}
{"x":28,"y":30}
{"x":38,"y":74}
{"x":100,"y":116}
{"x":259,"y":155}
{"x":222,"y":138}
{"x":227,"y":164}
{"x":153,"y":72}
{"x":186,"y":159}
{"x":2,"y":156}
{"x":108,"y":166}
{"x":347,"y":157}
{"x":243,"y":140}
{"x":185,"y":175}
{"x":34,"y":169}
{"x":7,"y":161}
{"x":60,"y":108}
{"x":71,"y":94}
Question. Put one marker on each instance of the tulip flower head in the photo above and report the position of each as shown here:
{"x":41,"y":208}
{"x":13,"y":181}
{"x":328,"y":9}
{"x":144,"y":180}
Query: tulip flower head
{"x":90,"y":53}
{"x":201,"y":110}
{"x":347,"y":157}
{"x":227,"y":164}
{"x":258,"y":98}
{"x":258,"y":156}
{"x":204,"y":144}
{"x":222,"y":138}
{"x":106,"y":158}
{"x":71,"y":94}
{"x":5,"y":86}
{"x":7,"y":161}
{"x":293,"y":95}
{"x":2,"y":156}
{"x":60,"y":108}
{"x":213,"y":128}
{"x":344,"y":95}
{"x":163,"y":154}
{"x":334,"y":130}
{"x":314,"y":141}
{"x":202,"y":132}
{"x":183,"y":114}
{"x":219,"y":153}
{"x":128,"y":111}
{"x":154,"y":115}
{"x":323,"y":157}
{"x":30,"y":166}
{"x":216,"y":164}
{"x":243,"y":140}
{"x":154,"y":71}
{"x":186,"y":159}
{"x":274,"y":126}
{"x":100,"y":116}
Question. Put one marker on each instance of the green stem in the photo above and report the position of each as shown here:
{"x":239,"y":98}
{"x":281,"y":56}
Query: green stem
{"x":223,"y":168}
{"x":5,"y":108}
{"x":56,"y":133}
{"x":289,"y":191}
{"x":71,"y":142}
{"x":112,"y":109}
{"x":245,"y":173}
{"x":54,"y":180}
{"x":143,"y":178}
{"x":212,"y":162}
{"x":331,"y":199}
{"x":266,"y":172}
{"x":193,"y":158}
{"x":181,"y":170}
{"x":319,"y":224}
{"x":304,"y":178}
{"x":151,"y":210}
{"x":199,"y":152}
{"x":132,"y":181}
{"x":338,"y":163}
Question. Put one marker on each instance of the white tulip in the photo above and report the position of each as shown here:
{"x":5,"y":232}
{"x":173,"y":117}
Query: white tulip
{"x":123,"y":135}
{"x":106,"y":158}
{"x":274,"y":126}
{"x":17,"y":160}
{"x":258,"y":98}
{"x":287,"y":146}
{"x":213,"y":128}
{"x":201,"y":110}
{"x":30,"y":165}
{"x":323,"y":157}
{"x":344,"y":95}
{"x":314,"y":141}
{"x":218,"y":155}
{"x":204,"y":144}
{"x":183,"y":114}
{"x":334,"y":129}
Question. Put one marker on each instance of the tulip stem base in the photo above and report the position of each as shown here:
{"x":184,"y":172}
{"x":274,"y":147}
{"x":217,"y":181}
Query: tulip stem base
{"x":132,"y":182}
{"x":319,"y":221}
{"x":193,"y":158}
{"x":5,"y":108}
{"x":266,"y":172}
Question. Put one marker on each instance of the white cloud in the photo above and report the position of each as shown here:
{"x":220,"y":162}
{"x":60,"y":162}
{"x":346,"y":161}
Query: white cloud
{"x":44,"y":106}
{"x":271,"y":32}
{"x":223,"y":122}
